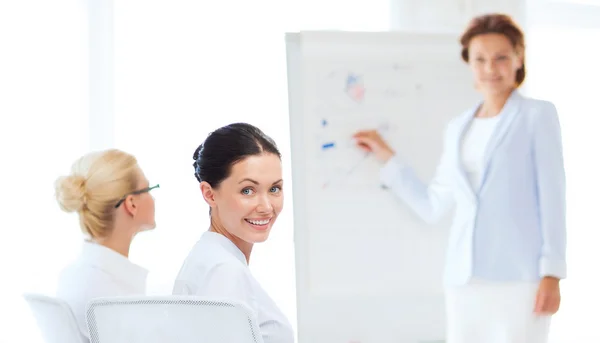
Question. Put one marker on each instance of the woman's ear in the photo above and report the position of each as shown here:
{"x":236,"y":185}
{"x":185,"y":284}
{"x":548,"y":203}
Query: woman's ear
{"x":208,"y":193}
{"x":130,"y":206}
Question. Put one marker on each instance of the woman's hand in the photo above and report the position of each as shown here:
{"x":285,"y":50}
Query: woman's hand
{"x":548,"y":296}
{"x":371,"y":141}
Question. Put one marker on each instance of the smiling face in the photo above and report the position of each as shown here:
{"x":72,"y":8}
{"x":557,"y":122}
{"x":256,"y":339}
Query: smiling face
{"x":249,"y":200}
{"x":494,"y":63}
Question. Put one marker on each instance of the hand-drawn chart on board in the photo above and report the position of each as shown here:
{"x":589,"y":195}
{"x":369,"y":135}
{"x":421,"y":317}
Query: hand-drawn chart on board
{"x":367,"y":269}
{"x":350,"y":100}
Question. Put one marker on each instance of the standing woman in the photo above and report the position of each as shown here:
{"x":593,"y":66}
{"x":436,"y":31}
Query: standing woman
{"x":502,"y":166}
{"x":110,"y":193}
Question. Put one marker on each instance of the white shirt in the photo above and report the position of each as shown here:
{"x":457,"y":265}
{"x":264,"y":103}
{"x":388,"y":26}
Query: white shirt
{"x":474,"y":144}
{"x":217,"y":268}
{"x":98,"y":272}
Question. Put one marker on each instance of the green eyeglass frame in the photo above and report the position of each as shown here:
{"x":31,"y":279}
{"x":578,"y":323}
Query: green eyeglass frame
{"x":145,"y":190}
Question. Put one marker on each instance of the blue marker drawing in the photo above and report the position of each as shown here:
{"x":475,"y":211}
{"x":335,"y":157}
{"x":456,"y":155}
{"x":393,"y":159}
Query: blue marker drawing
{"x":354,"y":87}
{"x":351,"y":80}
{"x":328,"y":145}
{"x":324,"y":122}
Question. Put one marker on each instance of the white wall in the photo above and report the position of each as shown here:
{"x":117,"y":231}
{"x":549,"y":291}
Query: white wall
{"x":43,"y":126}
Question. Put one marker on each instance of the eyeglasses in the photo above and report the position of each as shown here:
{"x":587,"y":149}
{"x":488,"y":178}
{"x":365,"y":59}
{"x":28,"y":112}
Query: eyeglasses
{"x":145,"y":190}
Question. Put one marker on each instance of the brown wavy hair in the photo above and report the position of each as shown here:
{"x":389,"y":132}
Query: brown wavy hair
{"x":495,"y":23}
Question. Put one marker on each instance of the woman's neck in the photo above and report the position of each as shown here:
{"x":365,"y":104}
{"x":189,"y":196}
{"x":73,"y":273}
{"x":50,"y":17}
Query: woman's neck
{"x":245,"y":247}
{"x":493,"y":104}
{"x":118,"y":242}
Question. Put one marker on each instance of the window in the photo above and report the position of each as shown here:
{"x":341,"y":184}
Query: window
{"x":563,"y":68}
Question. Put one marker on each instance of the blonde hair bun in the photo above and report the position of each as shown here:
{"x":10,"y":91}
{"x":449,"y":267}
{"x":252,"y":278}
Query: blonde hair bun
{"x":95,"y":184}
{"x":71,"y":192}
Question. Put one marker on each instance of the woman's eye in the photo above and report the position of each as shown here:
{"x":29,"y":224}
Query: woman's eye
{"x":247,"y":191}
{"x":275,"y":189}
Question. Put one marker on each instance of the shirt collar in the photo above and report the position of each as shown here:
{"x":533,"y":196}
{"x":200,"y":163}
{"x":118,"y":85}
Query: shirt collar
{"x":115,"y":264}
{"x":226,"y":243}
{"x":511,"y":103}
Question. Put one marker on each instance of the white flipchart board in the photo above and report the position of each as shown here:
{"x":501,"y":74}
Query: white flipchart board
{"x":367,"y":269}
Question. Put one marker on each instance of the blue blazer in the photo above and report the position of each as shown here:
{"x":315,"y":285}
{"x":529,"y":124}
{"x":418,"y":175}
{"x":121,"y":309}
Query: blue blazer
{"x":511,"y":227}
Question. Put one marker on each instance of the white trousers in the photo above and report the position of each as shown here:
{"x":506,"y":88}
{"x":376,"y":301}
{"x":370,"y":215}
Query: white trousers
{"x":494,"y":312}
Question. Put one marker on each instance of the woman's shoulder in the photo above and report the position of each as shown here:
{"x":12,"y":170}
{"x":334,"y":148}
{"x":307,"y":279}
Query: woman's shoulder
{"x":535,"y":110}
{"x":211,"y":255}
{"x":538,"y":104}
{"x":210,"y":260}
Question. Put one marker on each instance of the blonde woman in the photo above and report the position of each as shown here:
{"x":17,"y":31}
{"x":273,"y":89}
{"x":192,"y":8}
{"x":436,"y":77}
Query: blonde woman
{"x":110,"y":193}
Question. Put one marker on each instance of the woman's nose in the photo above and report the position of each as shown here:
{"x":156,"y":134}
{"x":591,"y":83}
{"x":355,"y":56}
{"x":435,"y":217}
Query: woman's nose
{"x":264,"y":205}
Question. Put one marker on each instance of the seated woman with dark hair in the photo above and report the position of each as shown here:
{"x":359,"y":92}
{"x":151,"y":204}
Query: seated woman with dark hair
{"x":239,"y":170}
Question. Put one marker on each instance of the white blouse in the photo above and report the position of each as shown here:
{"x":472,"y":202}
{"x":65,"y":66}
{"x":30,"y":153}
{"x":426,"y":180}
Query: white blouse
{"x":98,"y":272}
{"x":217,"y":268}
{"x":474,"y":145}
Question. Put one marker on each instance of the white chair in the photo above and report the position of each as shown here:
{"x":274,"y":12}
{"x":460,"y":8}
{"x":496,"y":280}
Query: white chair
{"x":162,"y":319}
{"x":54,"y":318}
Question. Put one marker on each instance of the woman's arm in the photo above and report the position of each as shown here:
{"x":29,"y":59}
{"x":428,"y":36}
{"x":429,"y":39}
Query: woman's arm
{"x":428,"y":201}
{"x":550,"y":172}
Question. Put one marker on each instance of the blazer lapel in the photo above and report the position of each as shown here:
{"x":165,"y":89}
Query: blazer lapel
{"x":508,"y":114}
{"x":462,"y":126}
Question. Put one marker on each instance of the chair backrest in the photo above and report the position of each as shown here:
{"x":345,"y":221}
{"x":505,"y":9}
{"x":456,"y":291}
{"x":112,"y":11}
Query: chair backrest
{"x":181,"y":319}
{"x":54,"y":318}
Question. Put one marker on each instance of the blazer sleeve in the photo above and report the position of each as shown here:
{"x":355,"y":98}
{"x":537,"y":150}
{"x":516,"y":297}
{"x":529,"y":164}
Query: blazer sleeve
{"x":429,"y":201}
{"x":550,"y":175}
